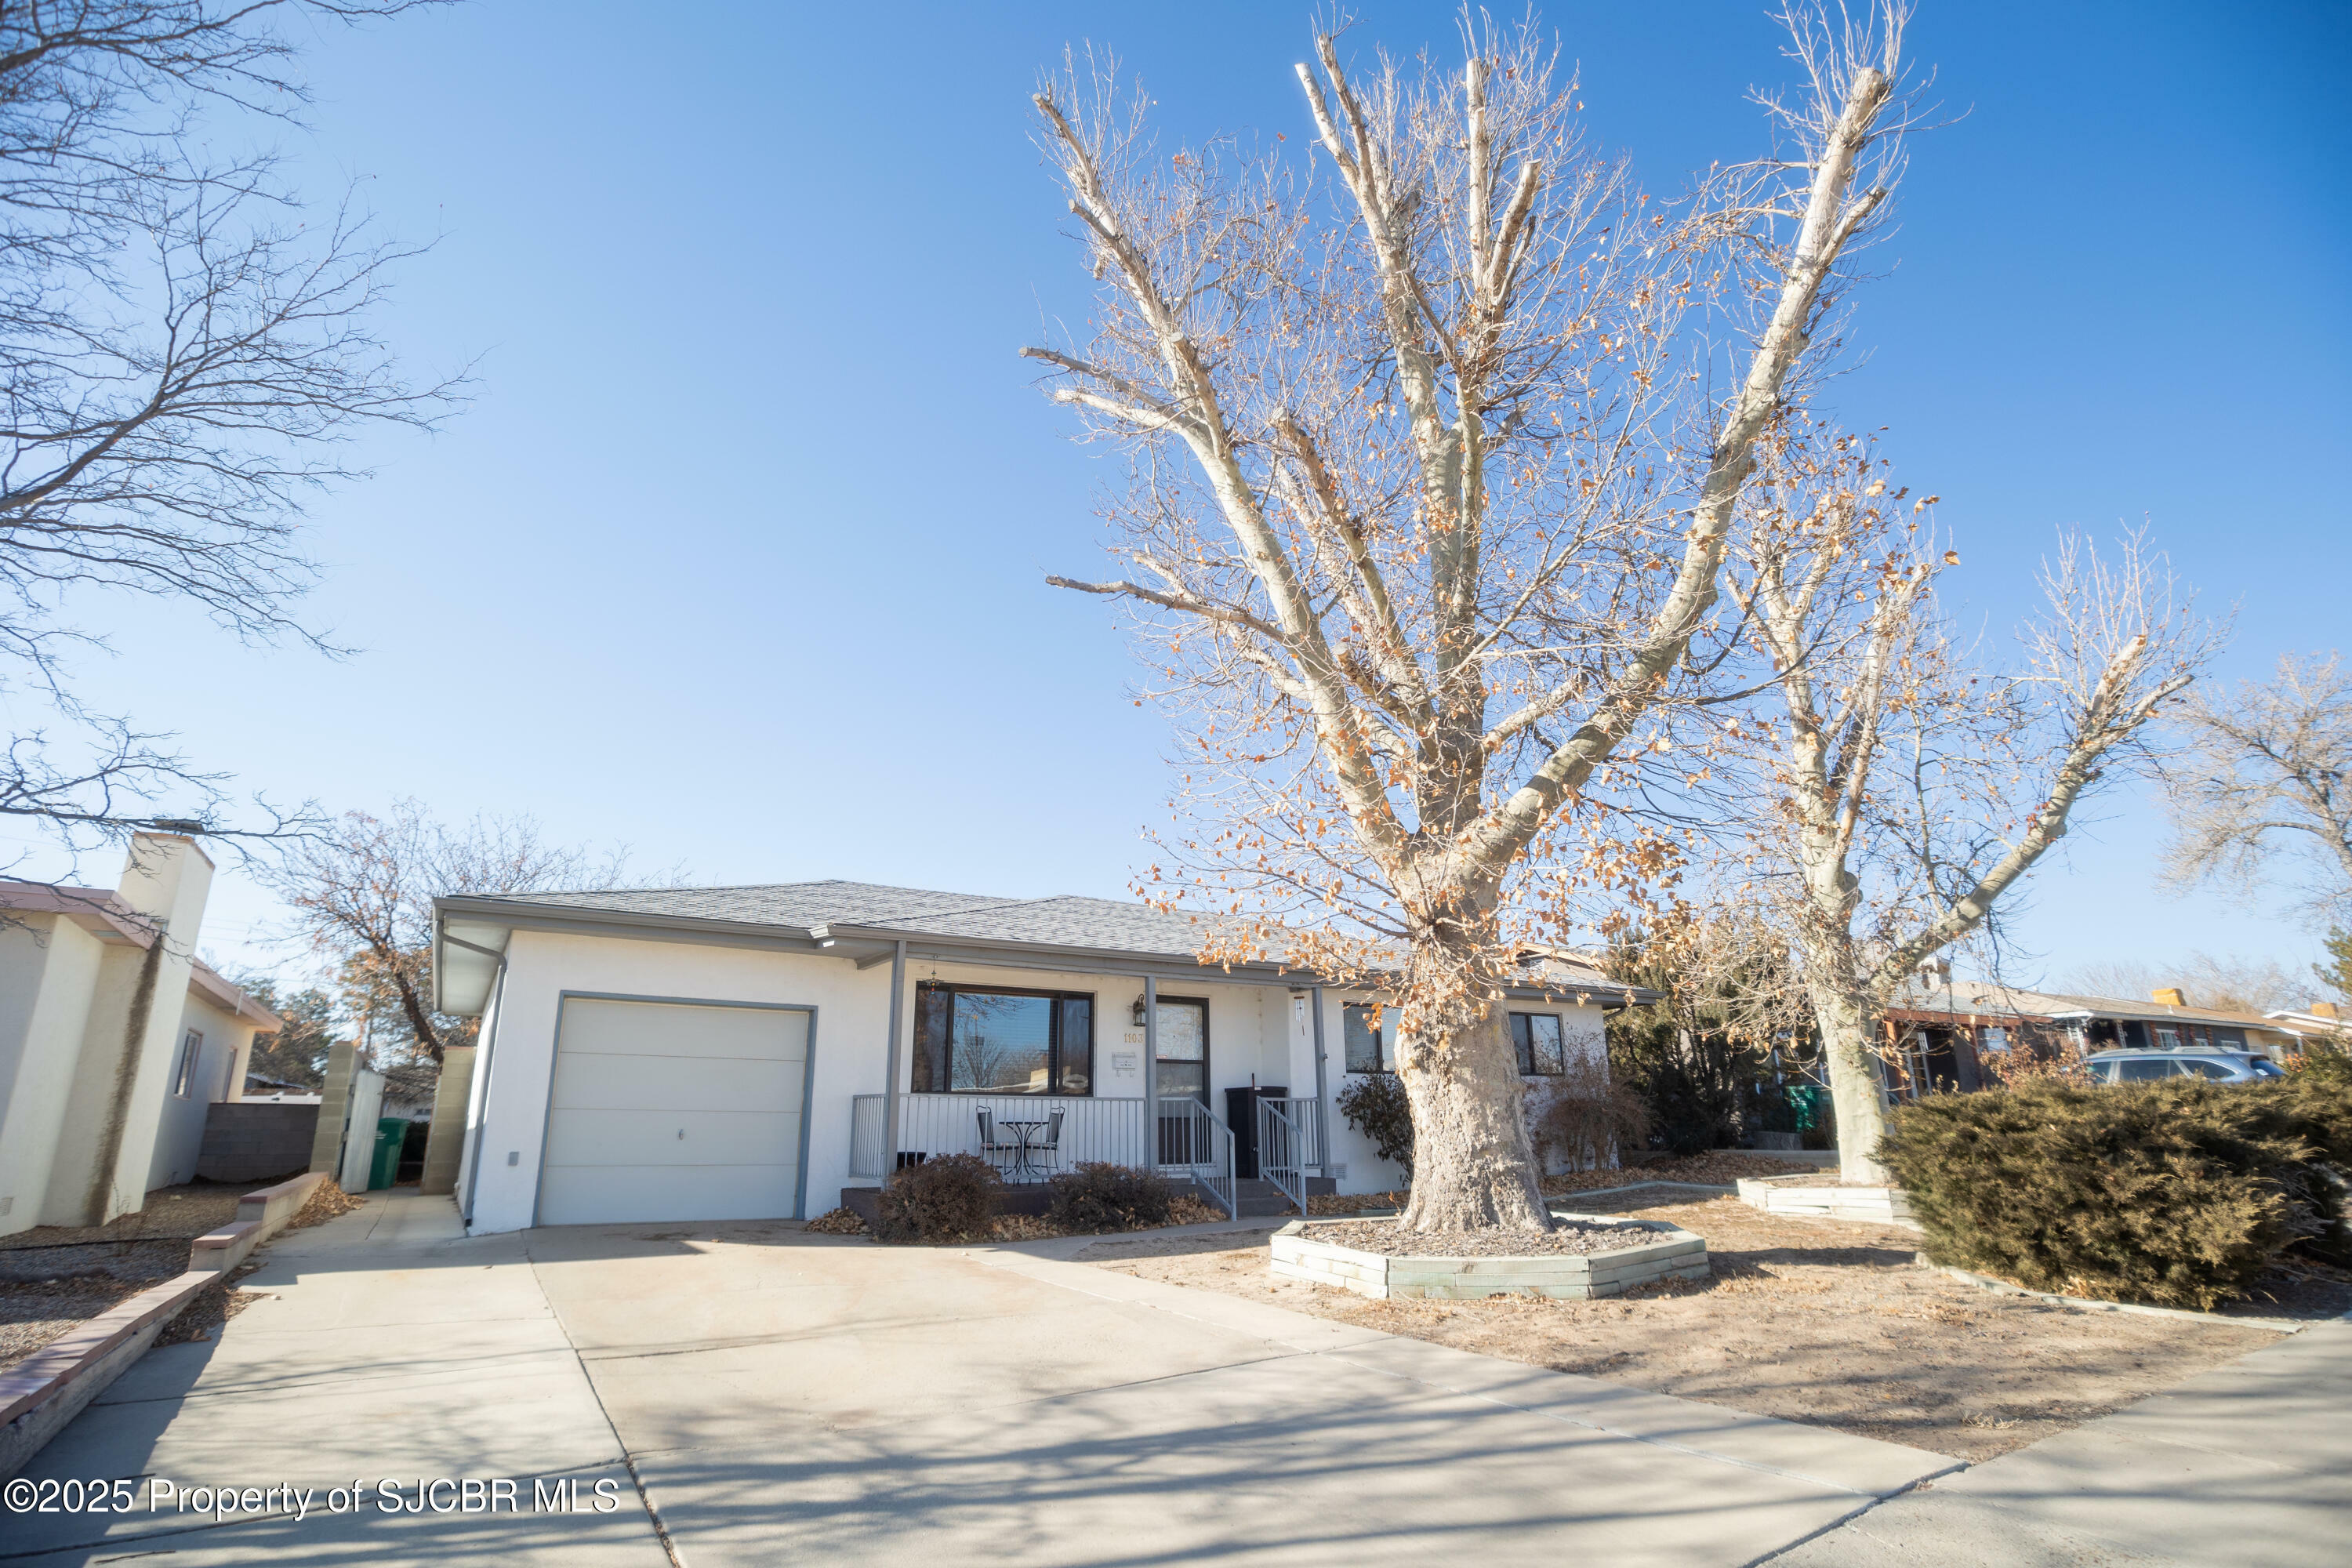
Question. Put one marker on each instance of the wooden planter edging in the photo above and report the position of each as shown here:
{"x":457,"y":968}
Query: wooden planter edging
{"x":1812,"y":1196}
{"x":49,"y":1388}
{"x":1300,"y":1254}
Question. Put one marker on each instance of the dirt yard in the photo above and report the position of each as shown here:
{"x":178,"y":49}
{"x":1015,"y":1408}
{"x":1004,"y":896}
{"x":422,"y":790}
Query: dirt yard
{"x":1814,"y":1321}
{"x":53,"y":1278}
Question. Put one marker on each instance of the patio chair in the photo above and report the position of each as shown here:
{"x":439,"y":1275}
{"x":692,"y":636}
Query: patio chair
{"x":1046,"y":1151}
{"x":994,"y":1146}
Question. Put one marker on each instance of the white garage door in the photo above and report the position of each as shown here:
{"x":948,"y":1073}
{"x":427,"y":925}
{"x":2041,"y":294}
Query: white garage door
{"x":667,"y":1111}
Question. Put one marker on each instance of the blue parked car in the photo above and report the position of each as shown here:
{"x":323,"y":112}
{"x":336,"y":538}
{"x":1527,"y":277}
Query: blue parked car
{"x":2146,"y":1066}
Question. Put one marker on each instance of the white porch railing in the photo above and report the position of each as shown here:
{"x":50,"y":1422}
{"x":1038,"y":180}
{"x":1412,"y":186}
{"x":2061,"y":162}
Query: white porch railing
{"x":1192,"y":1144}
{"x":1286,"y":1145}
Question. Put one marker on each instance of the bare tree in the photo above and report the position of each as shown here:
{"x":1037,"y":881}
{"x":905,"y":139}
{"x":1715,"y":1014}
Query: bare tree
{"x":184,"y":353}
{"x":1434,"y":446}
{"x":2261,"y":795}
{"x":362,"y":894}
{"x":2226,"y":984}
{"x":1910,"y":787}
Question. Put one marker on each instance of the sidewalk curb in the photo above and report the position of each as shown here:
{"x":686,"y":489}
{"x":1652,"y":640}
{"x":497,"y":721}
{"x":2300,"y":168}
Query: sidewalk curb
{"x":2086,"y":1304}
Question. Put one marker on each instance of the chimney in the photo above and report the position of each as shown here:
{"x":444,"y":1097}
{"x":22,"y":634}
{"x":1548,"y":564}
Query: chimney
{"x":2323,"y":1010}
{"x":2171,"y":997}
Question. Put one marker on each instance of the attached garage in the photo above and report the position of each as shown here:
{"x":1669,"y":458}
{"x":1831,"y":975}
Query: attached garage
{"x":675,"y":1110}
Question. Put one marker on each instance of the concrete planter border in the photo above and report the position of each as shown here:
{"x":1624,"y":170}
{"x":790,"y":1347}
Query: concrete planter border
{"x":49,"y":1388}
{"x":1812,"y":1196}
{"x":1300,"y":1254}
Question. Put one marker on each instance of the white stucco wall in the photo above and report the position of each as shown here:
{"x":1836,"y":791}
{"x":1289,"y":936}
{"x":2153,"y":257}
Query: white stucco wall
{"x":49,"y":970}
{"x":1247,"y":1035}
{"x":1366,"y":1171}
{"x":852,"y":1017}
{"x":220,"y":1075}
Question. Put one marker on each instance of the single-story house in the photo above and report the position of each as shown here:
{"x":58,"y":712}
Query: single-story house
{"x":1941,"y":1030}
{"x":115,"y":1039}
{"x":714,"y":1053}
{"x":2319,"y":1021}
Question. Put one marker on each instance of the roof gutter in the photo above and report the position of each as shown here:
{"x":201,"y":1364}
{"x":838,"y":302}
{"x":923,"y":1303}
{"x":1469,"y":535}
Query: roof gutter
{"x":977,"y":950}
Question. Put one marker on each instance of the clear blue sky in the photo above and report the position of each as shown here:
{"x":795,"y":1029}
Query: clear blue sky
{"x":738,"y":557}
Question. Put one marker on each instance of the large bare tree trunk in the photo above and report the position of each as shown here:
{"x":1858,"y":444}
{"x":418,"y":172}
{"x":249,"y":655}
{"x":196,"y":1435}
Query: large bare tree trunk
{"x":1474,"y":1167}
{"x":1856,"y":1090}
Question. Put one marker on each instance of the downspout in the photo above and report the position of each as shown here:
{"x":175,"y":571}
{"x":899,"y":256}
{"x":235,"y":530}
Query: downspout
{"x":1322,"y":1091}
{"x":479,"y":1135}
{"x":891,"y":1076}
{"x":1150,"y":1072}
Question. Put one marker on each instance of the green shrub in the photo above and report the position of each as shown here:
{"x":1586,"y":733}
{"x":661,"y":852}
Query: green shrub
{"x":2178,"y":1192}
{"x":1375,"y":1105}
{"x":947,"y":1199}
{"x":1103,"y":1196}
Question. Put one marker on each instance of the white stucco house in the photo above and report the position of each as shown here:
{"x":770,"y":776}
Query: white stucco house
{"x":115,"y":1039}
{"x":718,"y":1053}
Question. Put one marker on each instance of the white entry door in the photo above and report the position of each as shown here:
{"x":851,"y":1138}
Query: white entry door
{"x":667,"y":1111}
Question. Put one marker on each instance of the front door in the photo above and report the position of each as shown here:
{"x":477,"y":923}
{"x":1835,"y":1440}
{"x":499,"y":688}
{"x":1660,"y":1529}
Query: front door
{"x":1182,"y":1057}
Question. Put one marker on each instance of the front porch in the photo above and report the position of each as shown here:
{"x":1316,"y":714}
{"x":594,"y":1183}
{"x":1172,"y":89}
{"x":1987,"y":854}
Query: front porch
{"x":1030,"y":1139}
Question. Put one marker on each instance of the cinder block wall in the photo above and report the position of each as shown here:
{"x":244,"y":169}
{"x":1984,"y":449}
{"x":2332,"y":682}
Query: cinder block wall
{"x":447,"y":1139}
{"x":246,"y":1140}
{"x":327,"y":1135}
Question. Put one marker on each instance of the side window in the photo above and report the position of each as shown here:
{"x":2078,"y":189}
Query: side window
{"x":1535,"y":1037}
{"x":2193,"y":1067}
{"x":1371,"y":1039}
{"x":183,"y":1082}
{"x":2142,"y":1069}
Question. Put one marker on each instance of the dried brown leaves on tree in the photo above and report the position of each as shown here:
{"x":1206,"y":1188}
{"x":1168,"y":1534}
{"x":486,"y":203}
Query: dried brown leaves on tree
{"x":1434,"y":429}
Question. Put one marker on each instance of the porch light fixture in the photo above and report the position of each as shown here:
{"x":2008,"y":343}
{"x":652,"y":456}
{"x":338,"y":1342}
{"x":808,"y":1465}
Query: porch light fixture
{"x":1139,"y":1011}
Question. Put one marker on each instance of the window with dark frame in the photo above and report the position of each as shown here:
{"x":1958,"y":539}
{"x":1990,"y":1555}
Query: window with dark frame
{"x":1371,"y":1034}
{"x":995,"y":1040}
{"x":1536,"y":1038}
{"x":190,"y":1049}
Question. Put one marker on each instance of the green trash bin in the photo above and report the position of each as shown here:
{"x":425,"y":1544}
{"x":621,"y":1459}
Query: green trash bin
{"x":391,"y":1131}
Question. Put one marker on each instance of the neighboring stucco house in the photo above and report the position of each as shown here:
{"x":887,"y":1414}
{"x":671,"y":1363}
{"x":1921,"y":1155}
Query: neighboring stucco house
{"x":115,"y":1040}
{"x":750,"y":1052}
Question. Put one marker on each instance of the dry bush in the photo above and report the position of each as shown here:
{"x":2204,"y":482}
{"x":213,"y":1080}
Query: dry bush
{"x":1581,"y":1120}
{"x":951,"y":1198}
{"x":1098,"y":1195}
{"x":2179,"y":1193}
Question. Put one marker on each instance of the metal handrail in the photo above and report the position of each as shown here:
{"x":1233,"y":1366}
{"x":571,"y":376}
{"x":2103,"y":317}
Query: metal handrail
{"x":868,"y":1130}
{"x":1188,"y":1143}
{"x":1198,"y":1146}
{"x":1280,"y":1147}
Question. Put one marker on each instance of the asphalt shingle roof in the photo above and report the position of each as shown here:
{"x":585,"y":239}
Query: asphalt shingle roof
{"x":1064,"y":919}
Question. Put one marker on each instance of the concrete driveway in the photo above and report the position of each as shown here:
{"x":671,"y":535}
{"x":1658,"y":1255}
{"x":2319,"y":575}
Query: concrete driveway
{"x":747,"y":1394}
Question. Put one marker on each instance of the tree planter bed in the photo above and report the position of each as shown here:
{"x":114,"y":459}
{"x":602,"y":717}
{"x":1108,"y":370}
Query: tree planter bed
{"x":1301,"y":1252}
{"x":1827,"y":1200}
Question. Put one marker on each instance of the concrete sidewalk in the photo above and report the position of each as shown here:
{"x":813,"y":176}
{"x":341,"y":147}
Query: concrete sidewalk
{"x":762,"y":1393}
{"x":390,"y":1347}
{"x":2251,"y":1464}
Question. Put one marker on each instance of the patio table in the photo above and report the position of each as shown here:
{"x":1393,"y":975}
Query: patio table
{"x":1024,"y":1164}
